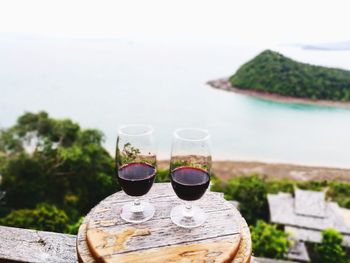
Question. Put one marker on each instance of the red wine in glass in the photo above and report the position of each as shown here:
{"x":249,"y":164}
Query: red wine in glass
{"x":136,"y":170}
{"x":189,"y":183}
{"x":190,"y":174}
{"x":136,"y":179}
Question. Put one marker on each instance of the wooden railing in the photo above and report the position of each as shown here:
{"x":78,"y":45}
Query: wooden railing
{"x":24,"y":245}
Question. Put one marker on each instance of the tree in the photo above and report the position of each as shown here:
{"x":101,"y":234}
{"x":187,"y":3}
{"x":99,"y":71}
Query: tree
{"x":55,"y":161}
{"x":250,"y":192}
{"x":43,"y":217}
{"x":73,"y":228}
{"x":330,"y":249}
{"x":268,"y":241}
{"x":340,"y":193}
{"x":272,"y":72}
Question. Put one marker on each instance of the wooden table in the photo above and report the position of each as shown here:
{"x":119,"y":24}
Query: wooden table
{"x":105,"y":237}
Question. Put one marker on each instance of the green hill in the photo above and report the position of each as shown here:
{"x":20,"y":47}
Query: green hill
{"x":272,"y":72}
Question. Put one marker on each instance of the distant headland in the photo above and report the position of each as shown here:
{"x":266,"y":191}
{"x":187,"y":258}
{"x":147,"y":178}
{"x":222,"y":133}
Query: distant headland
{"x":273,"y":76}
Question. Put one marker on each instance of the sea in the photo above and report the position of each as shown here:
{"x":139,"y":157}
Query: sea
{"x":104,"y":83}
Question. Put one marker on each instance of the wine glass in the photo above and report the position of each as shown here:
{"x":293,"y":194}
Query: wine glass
{"x":190,"y":167}
{"x":136,"y":169}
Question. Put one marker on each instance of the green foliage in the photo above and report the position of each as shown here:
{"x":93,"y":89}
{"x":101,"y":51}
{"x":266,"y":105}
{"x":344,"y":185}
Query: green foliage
{"x":330,"y":250}
{"x":250,"y":192}
{"x":274,"y":73}
{"x":128,"y":154}
{"x":340,"y":193}
{"x":204,"y":164}
{"x":287,"y":186}
{"x":66,"y":166}
{"x":9,"y":144}
{"x":268,"y":241}
{"x":73,"y":228}
{"x":43,"y":217}
{"x":313,"y":185}
{"x":275,"y":186}
{"x":162,"y":176}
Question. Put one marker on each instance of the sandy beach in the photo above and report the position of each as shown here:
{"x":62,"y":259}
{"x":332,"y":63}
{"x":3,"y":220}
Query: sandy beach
{"x":224,"y":84}
{"x":228,"y":169}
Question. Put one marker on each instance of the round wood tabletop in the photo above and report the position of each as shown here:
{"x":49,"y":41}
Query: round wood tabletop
{"x":105,"y":237}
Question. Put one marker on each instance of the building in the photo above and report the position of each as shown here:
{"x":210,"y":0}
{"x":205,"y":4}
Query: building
{"x":306,"y":215}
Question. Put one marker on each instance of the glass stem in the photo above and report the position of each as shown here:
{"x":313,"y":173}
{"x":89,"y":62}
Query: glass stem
{"x":188,"y":211}
{"x":137,"y":207}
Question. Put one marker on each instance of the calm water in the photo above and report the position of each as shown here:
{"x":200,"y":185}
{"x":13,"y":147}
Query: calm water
{"x":106,"y":83}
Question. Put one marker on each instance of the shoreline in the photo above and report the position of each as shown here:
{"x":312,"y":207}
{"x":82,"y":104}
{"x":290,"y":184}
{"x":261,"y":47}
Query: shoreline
{"x":231,"y":168}
{"x":224,"y":84}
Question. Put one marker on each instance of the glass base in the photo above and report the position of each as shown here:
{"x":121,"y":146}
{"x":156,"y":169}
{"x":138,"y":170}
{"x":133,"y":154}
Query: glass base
{"x":139,"y":213}
{"x":180,"y":216}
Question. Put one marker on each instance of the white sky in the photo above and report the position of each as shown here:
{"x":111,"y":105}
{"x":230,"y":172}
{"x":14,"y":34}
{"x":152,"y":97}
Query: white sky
{"x":229,"y":21}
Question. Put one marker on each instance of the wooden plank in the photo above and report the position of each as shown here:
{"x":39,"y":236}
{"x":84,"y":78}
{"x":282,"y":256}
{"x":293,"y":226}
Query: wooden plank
{"x":215,"y":251}
{"x":84,"y":254}
{"x":23,"y":245}
{"x":110,"y":239}
{"x":245,"y":248}
{"x":108,"y":213}
{"x":163,"y":232}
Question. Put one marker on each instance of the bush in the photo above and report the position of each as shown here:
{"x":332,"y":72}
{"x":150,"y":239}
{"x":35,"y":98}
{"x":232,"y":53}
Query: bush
{"x":162,"y":176}
{"x":73,"y":228}
{"x":312,"y":185}
{"x":68,"y":166}
{"x":44,"y":217}
{"x":250,"y":192}
{"x":340,"y":193}
{"x":275,"y":186}
{"x":330,"y":250}
{"x":268,"y":241}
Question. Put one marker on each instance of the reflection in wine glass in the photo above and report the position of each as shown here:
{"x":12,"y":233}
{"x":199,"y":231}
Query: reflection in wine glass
{"x":190,"y":167}
{"x":136,"y":169}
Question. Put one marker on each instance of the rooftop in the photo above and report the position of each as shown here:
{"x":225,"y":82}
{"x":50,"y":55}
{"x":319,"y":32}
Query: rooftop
{"x":310,"y":203}
{"x":308,"y":213}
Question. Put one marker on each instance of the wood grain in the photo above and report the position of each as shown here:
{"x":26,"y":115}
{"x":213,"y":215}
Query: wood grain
{"x":215,"y":251}
{"x":105,"y":237}
{"x":24,"y":245}
{"x":245,"y":248}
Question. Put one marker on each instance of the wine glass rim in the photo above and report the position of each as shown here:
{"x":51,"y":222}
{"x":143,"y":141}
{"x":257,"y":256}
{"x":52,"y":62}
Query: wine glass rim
{"x":206,"y":135}
{"x":148,"y":129}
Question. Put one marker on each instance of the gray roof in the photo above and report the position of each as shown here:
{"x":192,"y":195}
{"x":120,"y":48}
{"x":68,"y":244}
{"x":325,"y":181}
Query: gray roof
{"x":314,"y":236}
{"x":310,"y":203}
{"x":298,"y":252}
{"x":234,"y":203}
{"x":282,"y":212}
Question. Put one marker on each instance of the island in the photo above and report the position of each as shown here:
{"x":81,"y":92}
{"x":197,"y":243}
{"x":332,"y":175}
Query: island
{"x":271,"y":75}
